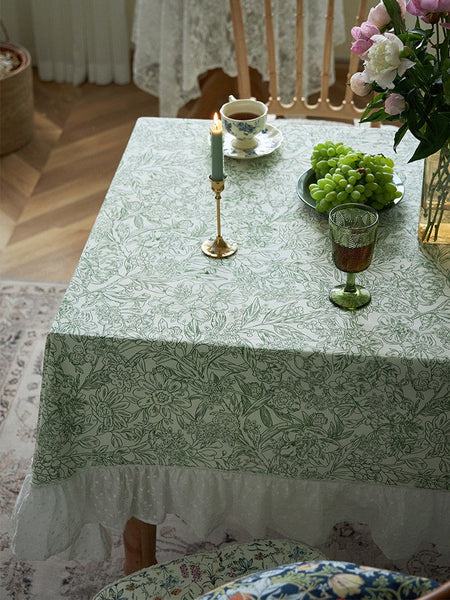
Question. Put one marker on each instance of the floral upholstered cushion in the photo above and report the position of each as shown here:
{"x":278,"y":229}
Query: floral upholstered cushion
{"x":193,"y":575}
{"x":324,"y":580}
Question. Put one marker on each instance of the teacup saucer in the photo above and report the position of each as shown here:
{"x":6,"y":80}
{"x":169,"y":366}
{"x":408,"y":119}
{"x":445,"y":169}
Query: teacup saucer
{"x":268,"y":140}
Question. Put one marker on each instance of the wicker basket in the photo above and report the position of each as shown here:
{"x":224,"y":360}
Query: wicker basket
{"x":16,"y":102}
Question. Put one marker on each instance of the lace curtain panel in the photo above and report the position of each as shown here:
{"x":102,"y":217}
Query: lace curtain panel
{"x":72,"y":40}
{"x":178,"y":40}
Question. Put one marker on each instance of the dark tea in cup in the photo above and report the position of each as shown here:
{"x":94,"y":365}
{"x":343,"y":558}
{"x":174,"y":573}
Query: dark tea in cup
{"x":243,"y":116}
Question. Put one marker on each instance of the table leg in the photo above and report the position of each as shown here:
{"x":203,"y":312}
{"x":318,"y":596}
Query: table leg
{"x":139,"y":540}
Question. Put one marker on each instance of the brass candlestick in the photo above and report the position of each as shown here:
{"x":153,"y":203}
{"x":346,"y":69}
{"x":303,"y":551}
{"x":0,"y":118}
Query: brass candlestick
{"x":218,"y":248}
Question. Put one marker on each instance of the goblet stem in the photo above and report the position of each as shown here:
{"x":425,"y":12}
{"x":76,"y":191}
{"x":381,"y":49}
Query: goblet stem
{"x":350,"y":283}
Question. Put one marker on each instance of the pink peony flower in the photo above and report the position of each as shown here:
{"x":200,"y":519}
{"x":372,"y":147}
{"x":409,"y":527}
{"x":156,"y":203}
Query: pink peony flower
{"x":362,"y":36}
{"x":421,"y":8}
{"x":394,"y":104}
{"x":430,"y":11}
{"x":359,"y":84}
{"x":379,"y":15}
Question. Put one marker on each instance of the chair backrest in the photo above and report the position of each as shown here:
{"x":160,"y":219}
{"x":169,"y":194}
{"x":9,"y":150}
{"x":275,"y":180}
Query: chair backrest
{"x":323,"y":108}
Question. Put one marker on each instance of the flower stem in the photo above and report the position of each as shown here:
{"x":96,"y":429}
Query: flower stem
{"x":436,"y":193}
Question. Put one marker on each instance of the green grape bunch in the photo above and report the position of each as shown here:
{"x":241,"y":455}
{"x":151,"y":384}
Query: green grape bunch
{"x":344,"y":175}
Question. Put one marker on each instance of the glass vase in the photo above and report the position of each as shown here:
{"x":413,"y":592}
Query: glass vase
{"x":434,"y":221}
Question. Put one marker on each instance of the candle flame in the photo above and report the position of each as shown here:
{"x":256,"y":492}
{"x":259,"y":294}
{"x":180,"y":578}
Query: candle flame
{"x":217,"y":127}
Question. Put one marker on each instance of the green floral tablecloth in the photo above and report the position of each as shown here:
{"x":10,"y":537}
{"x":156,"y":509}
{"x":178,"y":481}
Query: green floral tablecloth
{"x":161,"y":357}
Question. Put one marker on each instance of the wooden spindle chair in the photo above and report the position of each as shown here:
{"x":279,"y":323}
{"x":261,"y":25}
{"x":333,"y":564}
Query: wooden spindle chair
{"x":299,"y":107}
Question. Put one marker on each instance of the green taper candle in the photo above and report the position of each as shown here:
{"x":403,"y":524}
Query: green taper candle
{"x":216,"y":149}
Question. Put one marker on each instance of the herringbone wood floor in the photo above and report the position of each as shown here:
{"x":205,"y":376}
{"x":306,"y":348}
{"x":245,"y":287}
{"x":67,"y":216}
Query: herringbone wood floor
{"x":52,"y":189}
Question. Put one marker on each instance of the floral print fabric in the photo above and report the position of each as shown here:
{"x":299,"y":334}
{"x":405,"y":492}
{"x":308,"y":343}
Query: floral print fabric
{"x":324,"y":580}
{"x":161,"y":358}
{"x":191,"y":576}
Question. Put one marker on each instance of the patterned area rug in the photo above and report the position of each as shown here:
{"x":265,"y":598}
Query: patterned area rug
{"x":26,"y":313}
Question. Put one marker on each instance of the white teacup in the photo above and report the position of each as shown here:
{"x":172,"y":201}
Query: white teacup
{"x":244,"y":119}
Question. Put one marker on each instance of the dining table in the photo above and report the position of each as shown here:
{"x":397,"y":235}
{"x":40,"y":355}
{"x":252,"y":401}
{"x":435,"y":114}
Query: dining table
{"x":178,"y":41}
{"x":232,"y":391}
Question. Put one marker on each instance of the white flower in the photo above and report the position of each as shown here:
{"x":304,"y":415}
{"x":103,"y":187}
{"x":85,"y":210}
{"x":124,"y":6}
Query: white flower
{"x":383,"y":60}
{"x":359,"y":84}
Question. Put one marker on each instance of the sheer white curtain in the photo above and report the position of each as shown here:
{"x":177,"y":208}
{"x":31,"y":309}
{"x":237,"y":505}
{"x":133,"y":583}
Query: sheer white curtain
{"x":72,"y":40}
{"x":178,"y":40}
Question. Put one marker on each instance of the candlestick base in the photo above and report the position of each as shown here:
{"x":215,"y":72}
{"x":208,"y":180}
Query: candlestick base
{"x":219,"y":248}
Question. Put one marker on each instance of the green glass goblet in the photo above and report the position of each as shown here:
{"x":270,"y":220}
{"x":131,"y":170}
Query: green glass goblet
{"x":353,"y":229}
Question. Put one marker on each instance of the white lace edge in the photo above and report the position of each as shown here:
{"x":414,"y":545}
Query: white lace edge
{"x":72,"y":518}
